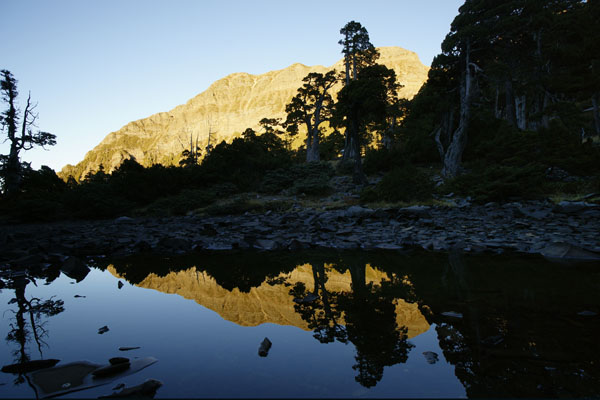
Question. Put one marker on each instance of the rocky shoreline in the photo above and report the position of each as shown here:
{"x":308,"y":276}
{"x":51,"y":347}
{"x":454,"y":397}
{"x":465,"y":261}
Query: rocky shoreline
{"x":568,"y":231}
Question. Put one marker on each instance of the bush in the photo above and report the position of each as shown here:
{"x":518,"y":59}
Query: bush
{"x":383,"y":160}
{"x":406,"y":183}
{"x":308,"y":178}
{"x":500,"y":183}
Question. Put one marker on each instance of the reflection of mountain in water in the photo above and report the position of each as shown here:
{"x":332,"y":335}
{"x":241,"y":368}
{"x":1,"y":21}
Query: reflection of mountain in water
{"x":268,"y":303}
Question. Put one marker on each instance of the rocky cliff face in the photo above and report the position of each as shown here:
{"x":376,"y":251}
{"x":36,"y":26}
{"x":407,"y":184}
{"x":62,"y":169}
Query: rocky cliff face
{"x":226,"y":108}
{"x":269,"y":303}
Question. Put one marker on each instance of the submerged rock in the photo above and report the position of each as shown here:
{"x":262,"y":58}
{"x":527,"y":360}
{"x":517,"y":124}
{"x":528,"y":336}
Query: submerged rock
{"x":111,"y":369}
{"x":265,"y":346}
{"x":452,"y":314}
{"x":103,"y":330}
{"x":129,"y":348}
{"x":145,"y":390}
{"x":431,"y":357}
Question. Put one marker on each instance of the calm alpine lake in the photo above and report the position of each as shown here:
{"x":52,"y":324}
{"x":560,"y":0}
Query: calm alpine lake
{"x":364,"y":324}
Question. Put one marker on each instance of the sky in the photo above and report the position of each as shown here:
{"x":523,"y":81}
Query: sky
{"x":95,"y":65}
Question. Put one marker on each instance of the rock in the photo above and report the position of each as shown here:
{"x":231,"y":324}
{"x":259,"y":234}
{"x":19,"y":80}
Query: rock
{"x":145,"y":390}
{"x":75,"y":268}
{"x":119,"y":386}
{"x":103,"y":330}
{"x":79,"y":296}
{"x":28,"y":366}
{"x":120,"y":284}
{"x":142,"y":246}
{"x":111,"y":369}
{"x":574,"y":207}
{"x":557,"y":174}
{"x":265,"y":346}
{"x":175,"y":244}
{"x":265,"y":244}
{"x":356,"y":211}
{"x":388,"y":246}
{"x":492,"y":341}
{"x":452,"y":314}
{"x":420,"y":211}
{"x":118,"y":360}
{"x":431,"y":357}
{"x":567,"y":252}
{"x":309,"y":298}
{"x":129,"y":348}
{"x":296,"y":244}
{"x":587,"y":313}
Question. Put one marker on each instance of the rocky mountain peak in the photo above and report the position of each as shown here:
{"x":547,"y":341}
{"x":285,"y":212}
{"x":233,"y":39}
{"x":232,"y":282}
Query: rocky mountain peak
{"x":229,"y":106}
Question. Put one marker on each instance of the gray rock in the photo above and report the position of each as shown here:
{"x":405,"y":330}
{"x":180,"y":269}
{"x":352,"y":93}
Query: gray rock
{"x":452,"y":314}
{"x":574,"y":207}
{"x":567,"y":252}
{"x":431,"y":357}
{"x":587,"y":313}
{"x":145,"y":390}
{"x":388,"y":246}
{"x":266,"y":244}
{"x":129,"y":348}
{"x":75,"y":268}
{"x":265,"y":346}
{"x":174,"y":244}
{"x":355,"y":211}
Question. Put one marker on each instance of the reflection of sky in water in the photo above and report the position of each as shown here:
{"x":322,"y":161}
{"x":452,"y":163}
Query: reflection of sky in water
{"x":202,"y":355}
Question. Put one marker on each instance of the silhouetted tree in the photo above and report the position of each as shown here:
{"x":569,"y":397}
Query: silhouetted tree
{"x":359,"y":53}
{"x":311,"y":106}
{"x":19,"y":132}
{"x":365,"y":101}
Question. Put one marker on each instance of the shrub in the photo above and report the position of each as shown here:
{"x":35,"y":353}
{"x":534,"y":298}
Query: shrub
{"x":406,"y":183}
{"x":308,"y":178}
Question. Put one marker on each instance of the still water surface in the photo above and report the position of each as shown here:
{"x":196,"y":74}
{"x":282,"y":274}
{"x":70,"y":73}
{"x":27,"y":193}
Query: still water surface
{"x":341,"y":324}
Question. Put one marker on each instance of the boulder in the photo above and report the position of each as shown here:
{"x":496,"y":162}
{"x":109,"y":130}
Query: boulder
{"x":574,"y":207}
{"x":563,"y":251}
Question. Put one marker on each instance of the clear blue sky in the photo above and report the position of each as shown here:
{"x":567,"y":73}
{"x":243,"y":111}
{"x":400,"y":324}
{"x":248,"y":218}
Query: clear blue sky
{"x":94,"y":66}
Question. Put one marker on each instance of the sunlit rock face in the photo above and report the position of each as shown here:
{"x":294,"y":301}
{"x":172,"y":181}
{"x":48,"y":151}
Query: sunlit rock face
{"x":269,"y":303}
{"x":226,"y":108}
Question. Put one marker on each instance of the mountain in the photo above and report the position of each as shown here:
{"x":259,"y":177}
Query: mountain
{"x":226,"y":108}
{"x":270,"y":303}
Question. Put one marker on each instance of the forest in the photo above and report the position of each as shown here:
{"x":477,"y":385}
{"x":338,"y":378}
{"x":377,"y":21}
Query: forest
{"x":509,"y":112}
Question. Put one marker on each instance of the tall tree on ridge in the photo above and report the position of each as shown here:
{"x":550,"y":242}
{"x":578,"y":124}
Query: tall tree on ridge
{"x":359,"y":53}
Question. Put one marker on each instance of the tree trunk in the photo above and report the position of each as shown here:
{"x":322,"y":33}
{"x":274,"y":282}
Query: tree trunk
{"x":312,"y":148}
{"x":453,"y":156}
{"x":359,"y":176}
{"x":12,"y":171}
{"x":596,"y":113}
{"x":509,"y":99}
{"x":520,"y":112}
{"x":348,"y":146}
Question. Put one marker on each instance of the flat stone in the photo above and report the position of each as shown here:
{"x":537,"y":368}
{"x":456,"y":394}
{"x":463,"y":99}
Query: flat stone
{"x":452,"y":314}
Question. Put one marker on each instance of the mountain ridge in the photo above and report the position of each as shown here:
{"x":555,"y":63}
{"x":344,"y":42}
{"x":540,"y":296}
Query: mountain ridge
{"x":226,"y":108}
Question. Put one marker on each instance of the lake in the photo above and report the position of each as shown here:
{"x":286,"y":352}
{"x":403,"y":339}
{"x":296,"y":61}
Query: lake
{"x":349,"y":324}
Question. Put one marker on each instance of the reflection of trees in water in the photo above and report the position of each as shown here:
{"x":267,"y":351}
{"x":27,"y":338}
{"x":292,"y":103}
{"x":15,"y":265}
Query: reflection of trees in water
{"x":28,"y":322}
{"x":519,"y":335}
{"x":370,"y":321}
